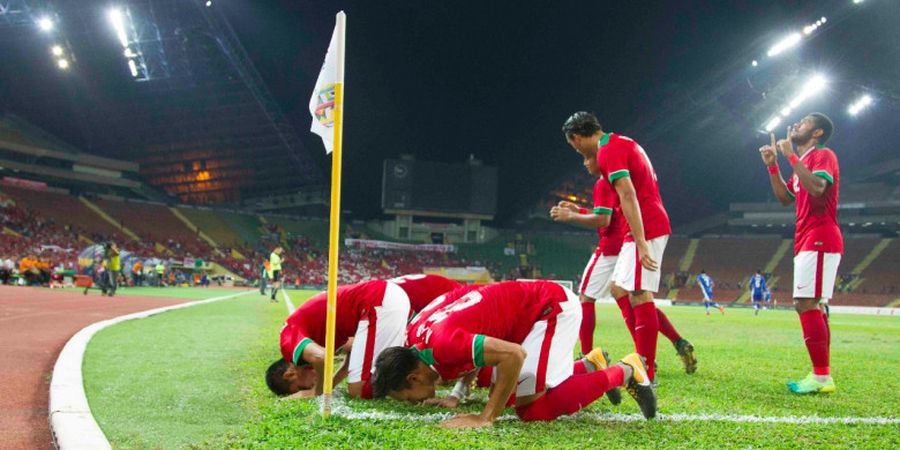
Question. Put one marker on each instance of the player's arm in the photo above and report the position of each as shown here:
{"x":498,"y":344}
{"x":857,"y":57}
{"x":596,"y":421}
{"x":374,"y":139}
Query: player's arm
{"x":459,"y":393}
{"x":314,"y":354}
{"x":564,"y":212}
{"x":769,"y":156}
{"x":632,"y":212}
{"x":507,"y":359}
{"x":813,"y":184}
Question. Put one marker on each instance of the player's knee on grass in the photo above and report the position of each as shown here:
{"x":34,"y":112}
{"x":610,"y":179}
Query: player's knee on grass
{"x":284,"y":378}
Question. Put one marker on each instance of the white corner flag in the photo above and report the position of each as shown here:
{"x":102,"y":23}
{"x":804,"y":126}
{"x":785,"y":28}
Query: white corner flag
{"x":322,"y":102}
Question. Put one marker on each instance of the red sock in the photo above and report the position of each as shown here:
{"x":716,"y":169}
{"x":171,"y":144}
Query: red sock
{"x":828,"y":330}
{"x":815,"y":334}
{"x":586,"y":332}
{"x":367,"y":390}
{"x":646,"y":327}
{"x":666,"y":327}
{"x":571,"y":395}
{"x":578,"y":368}
{"x":627,"y":314}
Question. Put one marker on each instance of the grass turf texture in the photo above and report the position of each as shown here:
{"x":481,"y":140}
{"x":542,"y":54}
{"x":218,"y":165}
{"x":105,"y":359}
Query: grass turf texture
{"x":744,"y":362}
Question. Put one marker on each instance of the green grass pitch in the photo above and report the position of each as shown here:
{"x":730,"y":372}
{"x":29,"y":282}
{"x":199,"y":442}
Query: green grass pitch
{"x":194,"y":378}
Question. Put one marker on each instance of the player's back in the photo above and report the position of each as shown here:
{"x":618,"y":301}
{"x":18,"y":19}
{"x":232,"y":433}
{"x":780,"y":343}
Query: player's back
{"x":353,"y":301}
{"x":705,"y":282}
{"x":423,"y":288}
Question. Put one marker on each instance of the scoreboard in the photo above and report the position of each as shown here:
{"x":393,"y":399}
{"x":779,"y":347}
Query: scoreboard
{"x":410,"y":185}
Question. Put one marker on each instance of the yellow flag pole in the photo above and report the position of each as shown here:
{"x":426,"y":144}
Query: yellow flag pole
{"x":335,"y":220}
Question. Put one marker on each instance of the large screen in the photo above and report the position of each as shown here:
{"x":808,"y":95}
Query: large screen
{"x":439,"y":187}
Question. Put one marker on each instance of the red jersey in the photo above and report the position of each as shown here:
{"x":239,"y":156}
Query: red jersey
{"x":307,"y":323}
{"x":606,"y":201}
{"x":619,"y":156}
{"x":423,"y":288}
{"x":817,"y":225}
{"x":449,"y":336}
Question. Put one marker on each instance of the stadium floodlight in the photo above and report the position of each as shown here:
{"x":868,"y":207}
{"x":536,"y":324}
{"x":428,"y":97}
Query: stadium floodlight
{"x":63,"y":64}
{"x":133,"y":67}
{"x":754,"y":63}
{"x":117,"y":19}
{"x":856,"y":2}
{"x":56,"y":50}
{"x":773,"y":123}
{"x":812,"y":87}
{"x":45,"y":24}
{"x":860,"y":104}
{"x":208,"y":3}
{"x":784,"y":44}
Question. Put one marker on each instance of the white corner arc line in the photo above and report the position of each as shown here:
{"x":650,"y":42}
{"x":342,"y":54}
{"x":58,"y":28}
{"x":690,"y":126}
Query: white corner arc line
{"x":288,"y":302}
{"x":611,"y":417}
{"x":71,"y":422}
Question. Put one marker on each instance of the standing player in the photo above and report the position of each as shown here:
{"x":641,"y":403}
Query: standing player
{"x":372,"y":315}
{"x":625,"y":165}
{"x":525,"y":330}
{"x":606,"y":216}
{"x":818,"y":243}
{"x":758,"y":289}
{"x":263,"y":276}
{"x":275,"y":269}
{"x":707,"y":285}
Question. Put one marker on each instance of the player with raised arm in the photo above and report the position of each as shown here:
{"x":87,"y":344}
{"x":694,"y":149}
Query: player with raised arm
{"x":818,"y":244}
{"x":525,"y":330}
{"x":596,"y":282}
{"x":371,"y":316}
{"x":707,"y":285}
{"x":758,"y":289}
{"x":625,"y":165}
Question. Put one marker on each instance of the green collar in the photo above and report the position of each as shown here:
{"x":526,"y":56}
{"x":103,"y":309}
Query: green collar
{"x":820,"y":146}
{"x":604,"y":140}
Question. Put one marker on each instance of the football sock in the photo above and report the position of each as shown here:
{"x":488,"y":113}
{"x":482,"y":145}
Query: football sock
{"x":646,"y":327}
{"x":666,"y":327}
{"x":828,"y":334}
{"x":627,"y":314}
{"x":586,"y":332}
{"x":571,"y":395}
{"x":815,"y":334}
{"x":580,"y":367}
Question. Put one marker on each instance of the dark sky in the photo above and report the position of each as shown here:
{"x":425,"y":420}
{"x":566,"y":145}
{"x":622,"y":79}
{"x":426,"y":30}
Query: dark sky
{"x":496,"y":79}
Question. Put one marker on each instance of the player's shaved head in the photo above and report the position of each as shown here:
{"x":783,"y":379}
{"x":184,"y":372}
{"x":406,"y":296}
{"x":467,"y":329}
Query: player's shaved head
{"x":392,"y":367}
{"x":581,"y":123}
{"x":824,"y":123}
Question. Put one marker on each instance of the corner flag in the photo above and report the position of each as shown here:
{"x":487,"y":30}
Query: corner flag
{"x":322,"y":101}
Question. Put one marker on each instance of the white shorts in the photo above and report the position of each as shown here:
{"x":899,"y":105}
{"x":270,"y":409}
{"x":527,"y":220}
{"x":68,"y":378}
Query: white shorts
{"x":631,"y":275}
{"x":814,"y":274}
{"x":597,"y":274}
{"x":384,"y":327}
{"x":549,"y":347}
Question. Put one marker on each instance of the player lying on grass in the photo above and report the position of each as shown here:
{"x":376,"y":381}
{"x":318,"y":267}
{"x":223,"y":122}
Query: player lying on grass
{"x":371,"y":316}
{"x":596,"y":282}
{"x":526,"y":331}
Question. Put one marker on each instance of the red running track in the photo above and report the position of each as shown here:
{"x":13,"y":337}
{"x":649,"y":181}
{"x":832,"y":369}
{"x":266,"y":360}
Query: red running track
{"x":35,"y":324}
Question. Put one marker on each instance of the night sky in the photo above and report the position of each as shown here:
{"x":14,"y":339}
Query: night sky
{"x":444,"y":80}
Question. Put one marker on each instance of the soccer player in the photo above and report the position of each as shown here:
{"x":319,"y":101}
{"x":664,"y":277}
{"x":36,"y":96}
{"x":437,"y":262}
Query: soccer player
{"x":707,"y":285}
{"x":606,"y":216}
{"x":525,"y":330}
{"x":263,"y":276}
{"x":275,"y":269}
{"x":371,"y":316}
{"x":625,"y":165}
{"x":758,"y":290}
{"x":818,"y":243}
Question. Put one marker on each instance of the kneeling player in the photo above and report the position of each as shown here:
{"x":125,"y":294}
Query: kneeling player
{"x":373,"y":314}
{"x":526,"y":331}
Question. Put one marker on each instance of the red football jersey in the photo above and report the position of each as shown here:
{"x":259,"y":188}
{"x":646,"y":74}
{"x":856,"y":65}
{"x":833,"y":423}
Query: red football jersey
{"x":423,"y":288}
{"x":606,"y":201}
{"x":619,"y":156}
{"x":449,"y":336}
{"x":817,"y":225}
{"x":307,"y":323}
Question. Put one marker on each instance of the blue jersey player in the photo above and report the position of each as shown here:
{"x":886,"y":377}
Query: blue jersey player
{"x":706,"y":287}
{"x":758,"y":290}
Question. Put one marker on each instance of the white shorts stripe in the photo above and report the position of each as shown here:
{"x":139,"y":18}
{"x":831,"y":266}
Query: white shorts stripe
{"x":806,"y":281}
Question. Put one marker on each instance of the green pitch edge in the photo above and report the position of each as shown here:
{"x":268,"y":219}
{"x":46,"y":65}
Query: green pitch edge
{"x":686,"y":261}
{"x":867,"y":261}
{"x":782,"y":250}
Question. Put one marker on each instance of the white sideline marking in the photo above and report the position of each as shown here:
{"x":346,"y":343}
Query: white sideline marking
{"x":344,"y":411}
{"x":288,"y":302}
{"x":71,"y":422}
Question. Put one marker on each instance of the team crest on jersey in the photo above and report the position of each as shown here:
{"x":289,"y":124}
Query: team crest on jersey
{"x":325,"y":106}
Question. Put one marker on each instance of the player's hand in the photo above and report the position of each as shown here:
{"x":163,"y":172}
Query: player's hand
{"x":768,"y":152}
{"x":466,"y":421}
{"x":568,"y":205}
{"x":306,"y":393}
{"x":647,"y":261}
{"x":560,"y":214}
{"x":785,"y":146}
{"x":449,"y":401}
